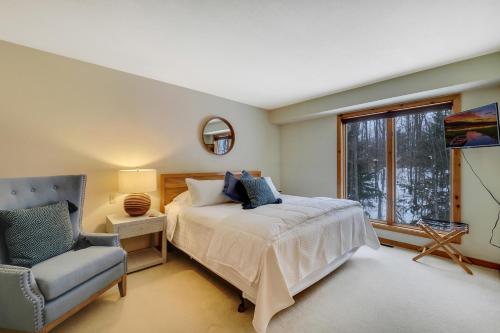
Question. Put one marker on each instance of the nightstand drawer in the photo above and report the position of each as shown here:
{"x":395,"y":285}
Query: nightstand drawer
{"x":126,"y":231}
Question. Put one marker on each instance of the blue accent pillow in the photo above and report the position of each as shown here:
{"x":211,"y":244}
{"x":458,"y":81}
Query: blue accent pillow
{"x":234,"y":189}
{"x":36,"y":234}
{"x":246,"y":174}
{"x":258,"y":192}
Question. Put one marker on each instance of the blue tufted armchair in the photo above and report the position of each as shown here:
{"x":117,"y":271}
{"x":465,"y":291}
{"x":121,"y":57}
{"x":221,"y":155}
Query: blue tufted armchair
{"x":40,"y":298}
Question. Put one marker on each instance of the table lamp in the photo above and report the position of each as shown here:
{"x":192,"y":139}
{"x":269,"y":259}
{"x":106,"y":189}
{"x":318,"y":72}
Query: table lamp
{"x":136,"y":183}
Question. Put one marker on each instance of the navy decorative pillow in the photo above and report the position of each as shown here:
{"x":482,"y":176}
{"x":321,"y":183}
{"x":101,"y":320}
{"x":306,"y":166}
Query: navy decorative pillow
{"x":72,"y":207}
{"x":81,"y":243}
{"x":258,"y":192}
{"x":234,"y":189}
{"x":36,"y":234}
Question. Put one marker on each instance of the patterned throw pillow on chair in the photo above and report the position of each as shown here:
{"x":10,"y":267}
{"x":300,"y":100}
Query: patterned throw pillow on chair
{"x":36,"y":234}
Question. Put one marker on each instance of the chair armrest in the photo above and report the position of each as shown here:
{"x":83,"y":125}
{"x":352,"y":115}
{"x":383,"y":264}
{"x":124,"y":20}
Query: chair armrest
{"x":102,"y":239}
{"x":21,"y":301}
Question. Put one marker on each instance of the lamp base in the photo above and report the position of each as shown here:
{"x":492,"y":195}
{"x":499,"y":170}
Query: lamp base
{"x":137,"y":204}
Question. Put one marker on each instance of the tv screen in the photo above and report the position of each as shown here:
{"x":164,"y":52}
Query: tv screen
{"x":473,"y":128}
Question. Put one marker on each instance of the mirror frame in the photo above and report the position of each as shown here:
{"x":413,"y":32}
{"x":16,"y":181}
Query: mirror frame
{"x":205,"y":123}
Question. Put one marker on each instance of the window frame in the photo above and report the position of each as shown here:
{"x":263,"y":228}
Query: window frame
{"x":389,"y":224}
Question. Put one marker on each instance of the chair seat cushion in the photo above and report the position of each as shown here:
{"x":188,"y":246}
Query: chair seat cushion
{"x":60,"y":274}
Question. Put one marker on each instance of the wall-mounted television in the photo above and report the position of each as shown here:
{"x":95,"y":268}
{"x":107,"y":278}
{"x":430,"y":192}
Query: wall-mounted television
{"x":473,"y":128}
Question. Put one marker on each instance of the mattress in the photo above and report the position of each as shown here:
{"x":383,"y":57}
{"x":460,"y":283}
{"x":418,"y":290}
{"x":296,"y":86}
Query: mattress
{"x":291,"y":263}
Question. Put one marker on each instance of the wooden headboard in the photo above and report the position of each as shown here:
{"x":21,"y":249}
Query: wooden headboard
{"x":173,"y":184}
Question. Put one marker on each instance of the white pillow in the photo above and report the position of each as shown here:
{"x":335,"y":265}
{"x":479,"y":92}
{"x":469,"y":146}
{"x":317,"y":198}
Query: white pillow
{"x":182,"y":198}
{"x":206,"y":192}
{"x":273,"y":188}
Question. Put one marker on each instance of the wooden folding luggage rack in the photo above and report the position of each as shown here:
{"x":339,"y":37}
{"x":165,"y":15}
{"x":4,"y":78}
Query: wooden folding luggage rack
{"x":454,"y":231}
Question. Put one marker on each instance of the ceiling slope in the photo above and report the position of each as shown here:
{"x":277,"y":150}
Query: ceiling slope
{"x":263,"y":53}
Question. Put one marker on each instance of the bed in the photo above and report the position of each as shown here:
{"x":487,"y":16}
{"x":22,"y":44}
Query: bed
{"x":270,"y":253}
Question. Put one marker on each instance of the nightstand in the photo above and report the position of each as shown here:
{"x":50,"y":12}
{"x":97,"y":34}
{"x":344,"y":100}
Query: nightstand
{"x":127,"y":227}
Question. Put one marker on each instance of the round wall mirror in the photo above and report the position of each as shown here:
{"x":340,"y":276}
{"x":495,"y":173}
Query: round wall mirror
{"x":218,"y":136}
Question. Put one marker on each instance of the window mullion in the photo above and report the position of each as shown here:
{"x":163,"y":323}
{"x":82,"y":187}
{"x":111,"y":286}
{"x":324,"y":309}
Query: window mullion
{"x":341,"y":160}
{"x":455,"y":173}
{"x":390,"y":171}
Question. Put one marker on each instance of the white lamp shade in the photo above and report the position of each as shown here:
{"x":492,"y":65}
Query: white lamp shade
{"x":137,"y":181}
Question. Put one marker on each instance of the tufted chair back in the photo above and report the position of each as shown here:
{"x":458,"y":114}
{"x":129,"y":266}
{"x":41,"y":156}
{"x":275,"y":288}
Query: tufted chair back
{"x":38,"y":191}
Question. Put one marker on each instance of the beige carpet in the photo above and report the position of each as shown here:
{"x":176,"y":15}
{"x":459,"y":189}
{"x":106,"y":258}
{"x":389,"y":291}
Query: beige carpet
{"x":376,"y":291}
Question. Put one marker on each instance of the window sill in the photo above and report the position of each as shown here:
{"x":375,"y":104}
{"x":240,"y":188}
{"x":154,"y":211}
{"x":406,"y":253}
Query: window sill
{"x":407,"y":229}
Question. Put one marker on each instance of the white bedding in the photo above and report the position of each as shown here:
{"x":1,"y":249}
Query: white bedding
{"x":270,"y":250}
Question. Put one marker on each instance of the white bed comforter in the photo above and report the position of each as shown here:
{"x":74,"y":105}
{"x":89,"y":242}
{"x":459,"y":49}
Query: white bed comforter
{"x":276,"y":246}
{"x":241,"y":240}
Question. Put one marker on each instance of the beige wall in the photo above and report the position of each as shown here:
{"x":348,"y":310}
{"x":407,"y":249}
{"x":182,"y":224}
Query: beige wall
{"x":308,"y":157}
{"x":62,"y":116}
{"x":308,"y":167}
{"x":444,"y":80}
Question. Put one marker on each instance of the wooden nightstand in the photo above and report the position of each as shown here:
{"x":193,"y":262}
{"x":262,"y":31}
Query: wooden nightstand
{"x":127,"y":227}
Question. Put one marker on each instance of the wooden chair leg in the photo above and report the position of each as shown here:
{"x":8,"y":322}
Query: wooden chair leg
{"x":122,"y":286}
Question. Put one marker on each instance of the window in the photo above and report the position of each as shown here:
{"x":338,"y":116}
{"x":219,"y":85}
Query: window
{"x":221,"y":144}
{"x":393,"y":160}
{"x":422,"y":165}
{"x":367,"y":165}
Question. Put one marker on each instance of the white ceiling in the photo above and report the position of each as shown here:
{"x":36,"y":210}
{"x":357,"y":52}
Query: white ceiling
{"x":264,"y":53}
